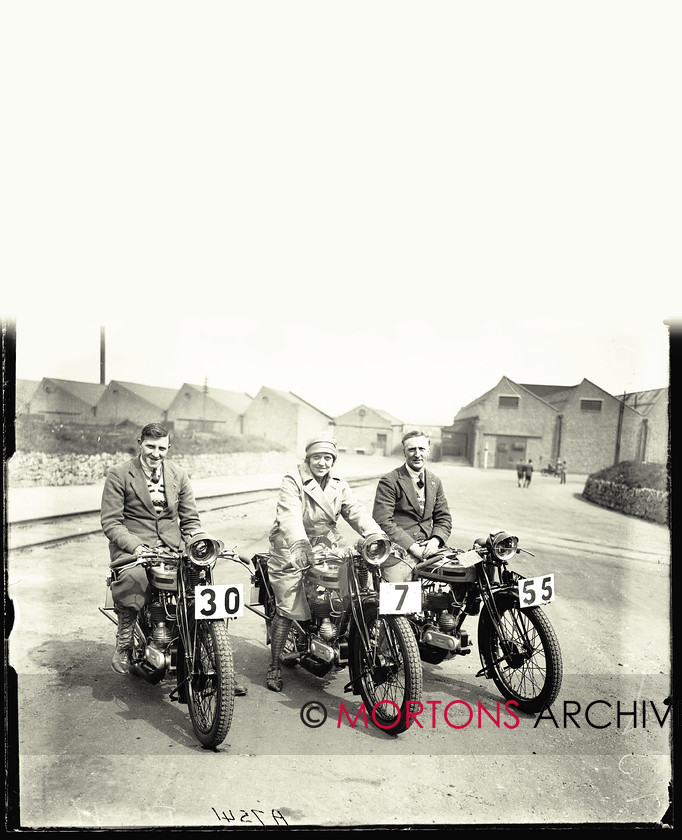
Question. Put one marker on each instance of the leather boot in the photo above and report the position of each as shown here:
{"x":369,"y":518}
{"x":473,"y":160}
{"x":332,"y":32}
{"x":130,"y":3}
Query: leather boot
{"x":279,"y":630}
{"x":120,"y":661}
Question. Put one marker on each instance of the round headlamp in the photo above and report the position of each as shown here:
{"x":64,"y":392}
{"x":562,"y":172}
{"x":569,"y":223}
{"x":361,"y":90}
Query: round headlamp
{"x":375,"y":549}
{"x":203,"y":550}
{"x":501,"y":545}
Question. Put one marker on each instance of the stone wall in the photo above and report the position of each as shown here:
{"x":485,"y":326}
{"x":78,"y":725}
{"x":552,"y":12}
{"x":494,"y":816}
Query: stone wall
{"x":641,"y":502}
{"x":38,"y":469}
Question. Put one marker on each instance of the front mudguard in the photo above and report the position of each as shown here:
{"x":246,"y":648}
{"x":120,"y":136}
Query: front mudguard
{"x":369,"y":608}
{"x":503,"y":599}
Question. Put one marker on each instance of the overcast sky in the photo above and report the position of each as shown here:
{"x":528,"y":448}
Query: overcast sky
{"x":369,"y":202}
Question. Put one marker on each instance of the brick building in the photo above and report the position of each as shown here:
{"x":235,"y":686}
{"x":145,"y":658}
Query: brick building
{"x":368,"y":431}
{"x":499,"y":428}
{"x":208,"y":409}
{"x":582,"y":424}
{"x":285,"y":418}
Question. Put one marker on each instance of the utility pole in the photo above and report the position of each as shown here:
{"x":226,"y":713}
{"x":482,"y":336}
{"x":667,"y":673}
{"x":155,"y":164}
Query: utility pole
{"x":621,"y":412}
{"x":102,"y":355}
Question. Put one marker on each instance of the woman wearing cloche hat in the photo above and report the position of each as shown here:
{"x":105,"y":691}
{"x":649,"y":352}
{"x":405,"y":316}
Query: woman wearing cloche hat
{"x":311,"y":499}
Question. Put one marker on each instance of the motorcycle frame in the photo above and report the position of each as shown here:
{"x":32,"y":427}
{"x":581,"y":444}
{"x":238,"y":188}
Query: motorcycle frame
{"x":186,"y":624}
{"x":495,"y":596}
{"x":356,"y":603}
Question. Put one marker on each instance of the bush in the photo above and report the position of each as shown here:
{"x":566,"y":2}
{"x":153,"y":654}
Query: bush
{"x":635,"y":475}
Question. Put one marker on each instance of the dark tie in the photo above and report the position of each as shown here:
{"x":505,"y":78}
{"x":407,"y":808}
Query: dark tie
{"x":155,"y":475}
{"x":420,"y":481}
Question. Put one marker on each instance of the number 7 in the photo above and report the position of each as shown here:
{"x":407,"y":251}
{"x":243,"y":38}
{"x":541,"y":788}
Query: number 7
{"x":405,"y":589}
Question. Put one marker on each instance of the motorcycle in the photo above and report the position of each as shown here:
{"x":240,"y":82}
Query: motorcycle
{"x":517,"y":644}
{"x":173,"y":637}
{"x":349,"y":628}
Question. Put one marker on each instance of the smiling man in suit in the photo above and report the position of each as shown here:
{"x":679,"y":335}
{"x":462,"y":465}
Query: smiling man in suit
{"x":410,"y":505}
{"x":147,"y":502}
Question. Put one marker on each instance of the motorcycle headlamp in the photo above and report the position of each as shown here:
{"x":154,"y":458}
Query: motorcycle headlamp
{"x":501,"y":545}
{"x":375,"y":549}
{"x":203,"y":550}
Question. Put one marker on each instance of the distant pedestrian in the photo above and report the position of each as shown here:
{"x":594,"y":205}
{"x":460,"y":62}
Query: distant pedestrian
{"x":528,"y":472}
{"x":520,"y":472}
{"x":562,"y":472}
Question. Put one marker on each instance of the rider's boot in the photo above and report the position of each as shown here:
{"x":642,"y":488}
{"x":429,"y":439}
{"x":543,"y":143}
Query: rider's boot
{"x":120,"y":661}
{"x":279,"y":630}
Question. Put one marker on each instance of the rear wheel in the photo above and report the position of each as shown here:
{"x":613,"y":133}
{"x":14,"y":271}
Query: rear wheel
{"x":389,"y":671}
{"x":210,"y":682}
{"x":522,"y":656}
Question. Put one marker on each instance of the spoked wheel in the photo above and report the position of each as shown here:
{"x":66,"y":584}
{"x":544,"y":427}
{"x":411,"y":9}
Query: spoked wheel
{"x":529,"y":669}
{"x":390,"y":671}
{"x":210,"y":682}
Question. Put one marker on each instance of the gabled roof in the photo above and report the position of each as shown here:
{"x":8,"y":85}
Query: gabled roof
{"x":153,"y":394}
{"x":296,"y":400}
{"x":511,"y":385}
{"x":87,"y":392}
{"x":389,"y":418}
{"x":234,"y":400}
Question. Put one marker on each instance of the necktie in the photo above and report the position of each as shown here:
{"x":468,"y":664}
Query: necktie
{"x":420,"y":481}
{"x":155,"y":475}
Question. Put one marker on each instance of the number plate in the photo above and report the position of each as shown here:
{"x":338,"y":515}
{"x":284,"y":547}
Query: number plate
{"x":534,"y":592}
{"x":224,"y":600}
{"x":400,"y":598}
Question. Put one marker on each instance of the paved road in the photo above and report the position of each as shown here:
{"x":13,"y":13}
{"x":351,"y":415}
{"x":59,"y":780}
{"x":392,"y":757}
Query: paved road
{"x":98,"y":750}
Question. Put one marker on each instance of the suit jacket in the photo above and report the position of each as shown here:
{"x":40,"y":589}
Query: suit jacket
{"x":396,"y":508}
{"x":306,"y":511}
{"x":128,"y":516}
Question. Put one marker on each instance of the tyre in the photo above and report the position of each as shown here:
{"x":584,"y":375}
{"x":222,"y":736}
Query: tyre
{"x":389,"y":674}
{"x":210,"y":684}
{"x":532,"y":672}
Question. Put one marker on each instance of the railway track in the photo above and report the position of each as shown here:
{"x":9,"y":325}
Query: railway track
{"x":43,"y":531}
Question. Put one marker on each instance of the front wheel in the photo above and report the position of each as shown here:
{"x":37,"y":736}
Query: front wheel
{"x":210,"y":682}
{"x":388,"y":669}
{"x":522,"y":655}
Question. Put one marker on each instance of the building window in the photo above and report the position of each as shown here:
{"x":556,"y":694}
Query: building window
{"x":590,"y":405}
{"x":507,"y":402}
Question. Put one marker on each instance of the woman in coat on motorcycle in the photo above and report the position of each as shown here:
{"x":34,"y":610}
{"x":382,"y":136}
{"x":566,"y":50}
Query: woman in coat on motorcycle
{"x":311,"y":499}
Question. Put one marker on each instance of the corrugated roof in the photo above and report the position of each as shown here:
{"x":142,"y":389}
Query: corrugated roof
{"x":644,"y":401}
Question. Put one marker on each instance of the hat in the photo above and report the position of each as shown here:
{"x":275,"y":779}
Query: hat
{"x":321,"y":443}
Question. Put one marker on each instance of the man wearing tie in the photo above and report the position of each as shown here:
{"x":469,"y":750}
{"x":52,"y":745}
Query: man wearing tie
{"x":147,"y":502}
{"x":410,"y":505}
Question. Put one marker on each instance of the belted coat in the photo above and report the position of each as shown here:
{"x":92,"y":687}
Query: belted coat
{"x":306,"y":511}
